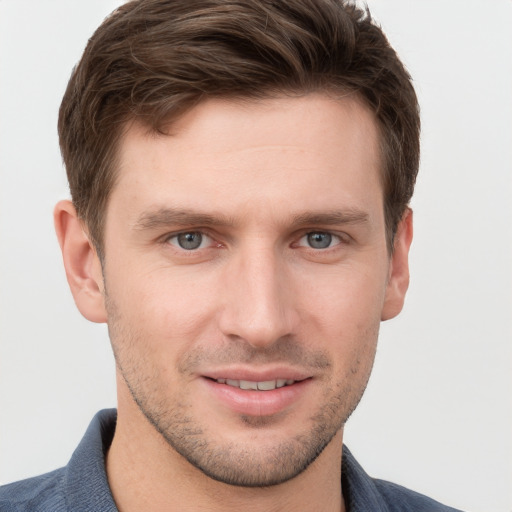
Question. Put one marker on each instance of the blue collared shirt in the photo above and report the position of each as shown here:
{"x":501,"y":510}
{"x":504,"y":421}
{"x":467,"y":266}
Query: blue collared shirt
{"x":82,"y":485}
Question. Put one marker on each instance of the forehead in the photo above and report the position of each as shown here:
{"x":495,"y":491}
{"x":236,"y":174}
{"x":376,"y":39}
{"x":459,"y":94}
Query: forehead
{"x":274,"y":152}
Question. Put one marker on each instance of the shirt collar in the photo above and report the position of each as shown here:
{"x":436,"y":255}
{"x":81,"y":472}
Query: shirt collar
{"x":86,"y":483}
{"x":359,"y":490}
{"x":87,"y":486}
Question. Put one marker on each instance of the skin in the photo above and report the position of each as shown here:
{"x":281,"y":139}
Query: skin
{"x":254,"y":301}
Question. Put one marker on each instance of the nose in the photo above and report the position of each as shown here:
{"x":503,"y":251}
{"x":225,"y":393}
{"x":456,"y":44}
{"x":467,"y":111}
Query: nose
{"x":258,"y":299}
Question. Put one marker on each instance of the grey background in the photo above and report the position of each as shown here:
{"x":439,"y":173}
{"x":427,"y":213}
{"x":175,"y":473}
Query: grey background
{"x":437,"y":415}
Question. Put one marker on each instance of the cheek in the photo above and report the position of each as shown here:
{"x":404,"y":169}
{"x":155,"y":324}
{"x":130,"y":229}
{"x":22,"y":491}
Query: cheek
{"x":166,"y":316}
{"x":159,"y":291}
{"x":344,"y":299}
{"x":343,"y":314}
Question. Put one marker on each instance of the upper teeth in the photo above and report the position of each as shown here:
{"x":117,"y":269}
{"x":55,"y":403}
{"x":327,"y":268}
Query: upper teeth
{"x":265,"y":385}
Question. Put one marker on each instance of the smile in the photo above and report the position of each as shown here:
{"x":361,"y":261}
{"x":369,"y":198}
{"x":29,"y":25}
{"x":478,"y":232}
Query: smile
{"x":260,"y":396}
{"x":266,"y":385}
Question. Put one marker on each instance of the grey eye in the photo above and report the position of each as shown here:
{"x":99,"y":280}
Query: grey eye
{"x":189,"y":241}
{"x":319,"y":240}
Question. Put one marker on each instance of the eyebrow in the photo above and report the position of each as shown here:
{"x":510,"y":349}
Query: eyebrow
{"x":172,"y":216}
{"x":163,"y":217}
{"x":332,"y":217}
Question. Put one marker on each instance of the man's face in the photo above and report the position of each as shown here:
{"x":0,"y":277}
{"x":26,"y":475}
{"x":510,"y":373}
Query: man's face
{"x":247,"y":249}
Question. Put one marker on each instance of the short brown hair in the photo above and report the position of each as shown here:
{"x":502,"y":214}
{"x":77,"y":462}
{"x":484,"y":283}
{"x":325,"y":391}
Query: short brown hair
{"x":152,"y":60}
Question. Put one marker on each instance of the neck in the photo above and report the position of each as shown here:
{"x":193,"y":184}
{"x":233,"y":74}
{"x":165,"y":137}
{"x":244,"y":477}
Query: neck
{"x":145,"y":473}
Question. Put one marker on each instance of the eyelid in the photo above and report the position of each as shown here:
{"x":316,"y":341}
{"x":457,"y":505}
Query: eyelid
{"x":207,"y":239}
{"x":343,"y":238}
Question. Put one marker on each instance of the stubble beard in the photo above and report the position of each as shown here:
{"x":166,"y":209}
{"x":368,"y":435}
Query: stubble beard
{"x":229,"y":462}
{"x":245,"y":466}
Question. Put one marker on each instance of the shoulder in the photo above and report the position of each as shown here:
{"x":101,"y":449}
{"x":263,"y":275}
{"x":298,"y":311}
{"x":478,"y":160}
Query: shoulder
{"x":81,"y":486}
{"x":41,"y":493}
{"x":400,"y":499}
{"x":363,"y":493}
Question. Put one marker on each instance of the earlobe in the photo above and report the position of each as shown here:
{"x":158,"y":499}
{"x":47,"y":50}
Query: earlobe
{"x":398,"y":281}
{"x":81,"y":261}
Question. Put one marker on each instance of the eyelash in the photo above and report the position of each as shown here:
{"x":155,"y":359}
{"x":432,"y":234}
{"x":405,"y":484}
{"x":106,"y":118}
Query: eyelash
{"x":169,"y":240}
{"x":332,"y":237}
{"x":339,"y":238}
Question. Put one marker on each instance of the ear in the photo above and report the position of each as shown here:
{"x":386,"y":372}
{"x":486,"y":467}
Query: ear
{"x":398,"y":280}
{"x":81,"y":261}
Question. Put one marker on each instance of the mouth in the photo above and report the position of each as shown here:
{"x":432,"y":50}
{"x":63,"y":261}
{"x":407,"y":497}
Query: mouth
{"x":258,"y":395}
{"x":266,"y":385}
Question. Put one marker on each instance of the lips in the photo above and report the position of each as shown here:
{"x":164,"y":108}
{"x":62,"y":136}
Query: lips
{"x":257,"y":393}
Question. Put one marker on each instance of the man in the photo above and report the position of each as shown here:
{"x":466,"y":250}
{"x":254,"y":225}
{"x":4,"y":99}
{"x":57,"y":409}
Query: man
{"x":240,"y":176}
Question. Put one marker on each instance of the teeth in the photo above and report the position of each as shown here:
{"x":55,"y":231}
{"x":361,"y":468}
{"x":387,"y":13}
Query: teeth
{"x":280,"y":383}
{"x":266,"y":385}
{"x":247,"y":384}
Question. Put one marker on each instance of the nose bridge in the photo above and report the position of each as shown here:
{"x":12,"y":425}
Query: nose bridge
{"x":258,"y":308}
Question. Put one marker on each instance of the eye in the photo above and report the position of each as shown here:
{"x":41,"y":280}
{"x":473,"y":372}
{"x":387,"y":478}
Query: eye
{"x":190,"y":240}
{"x":319,"y":240}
